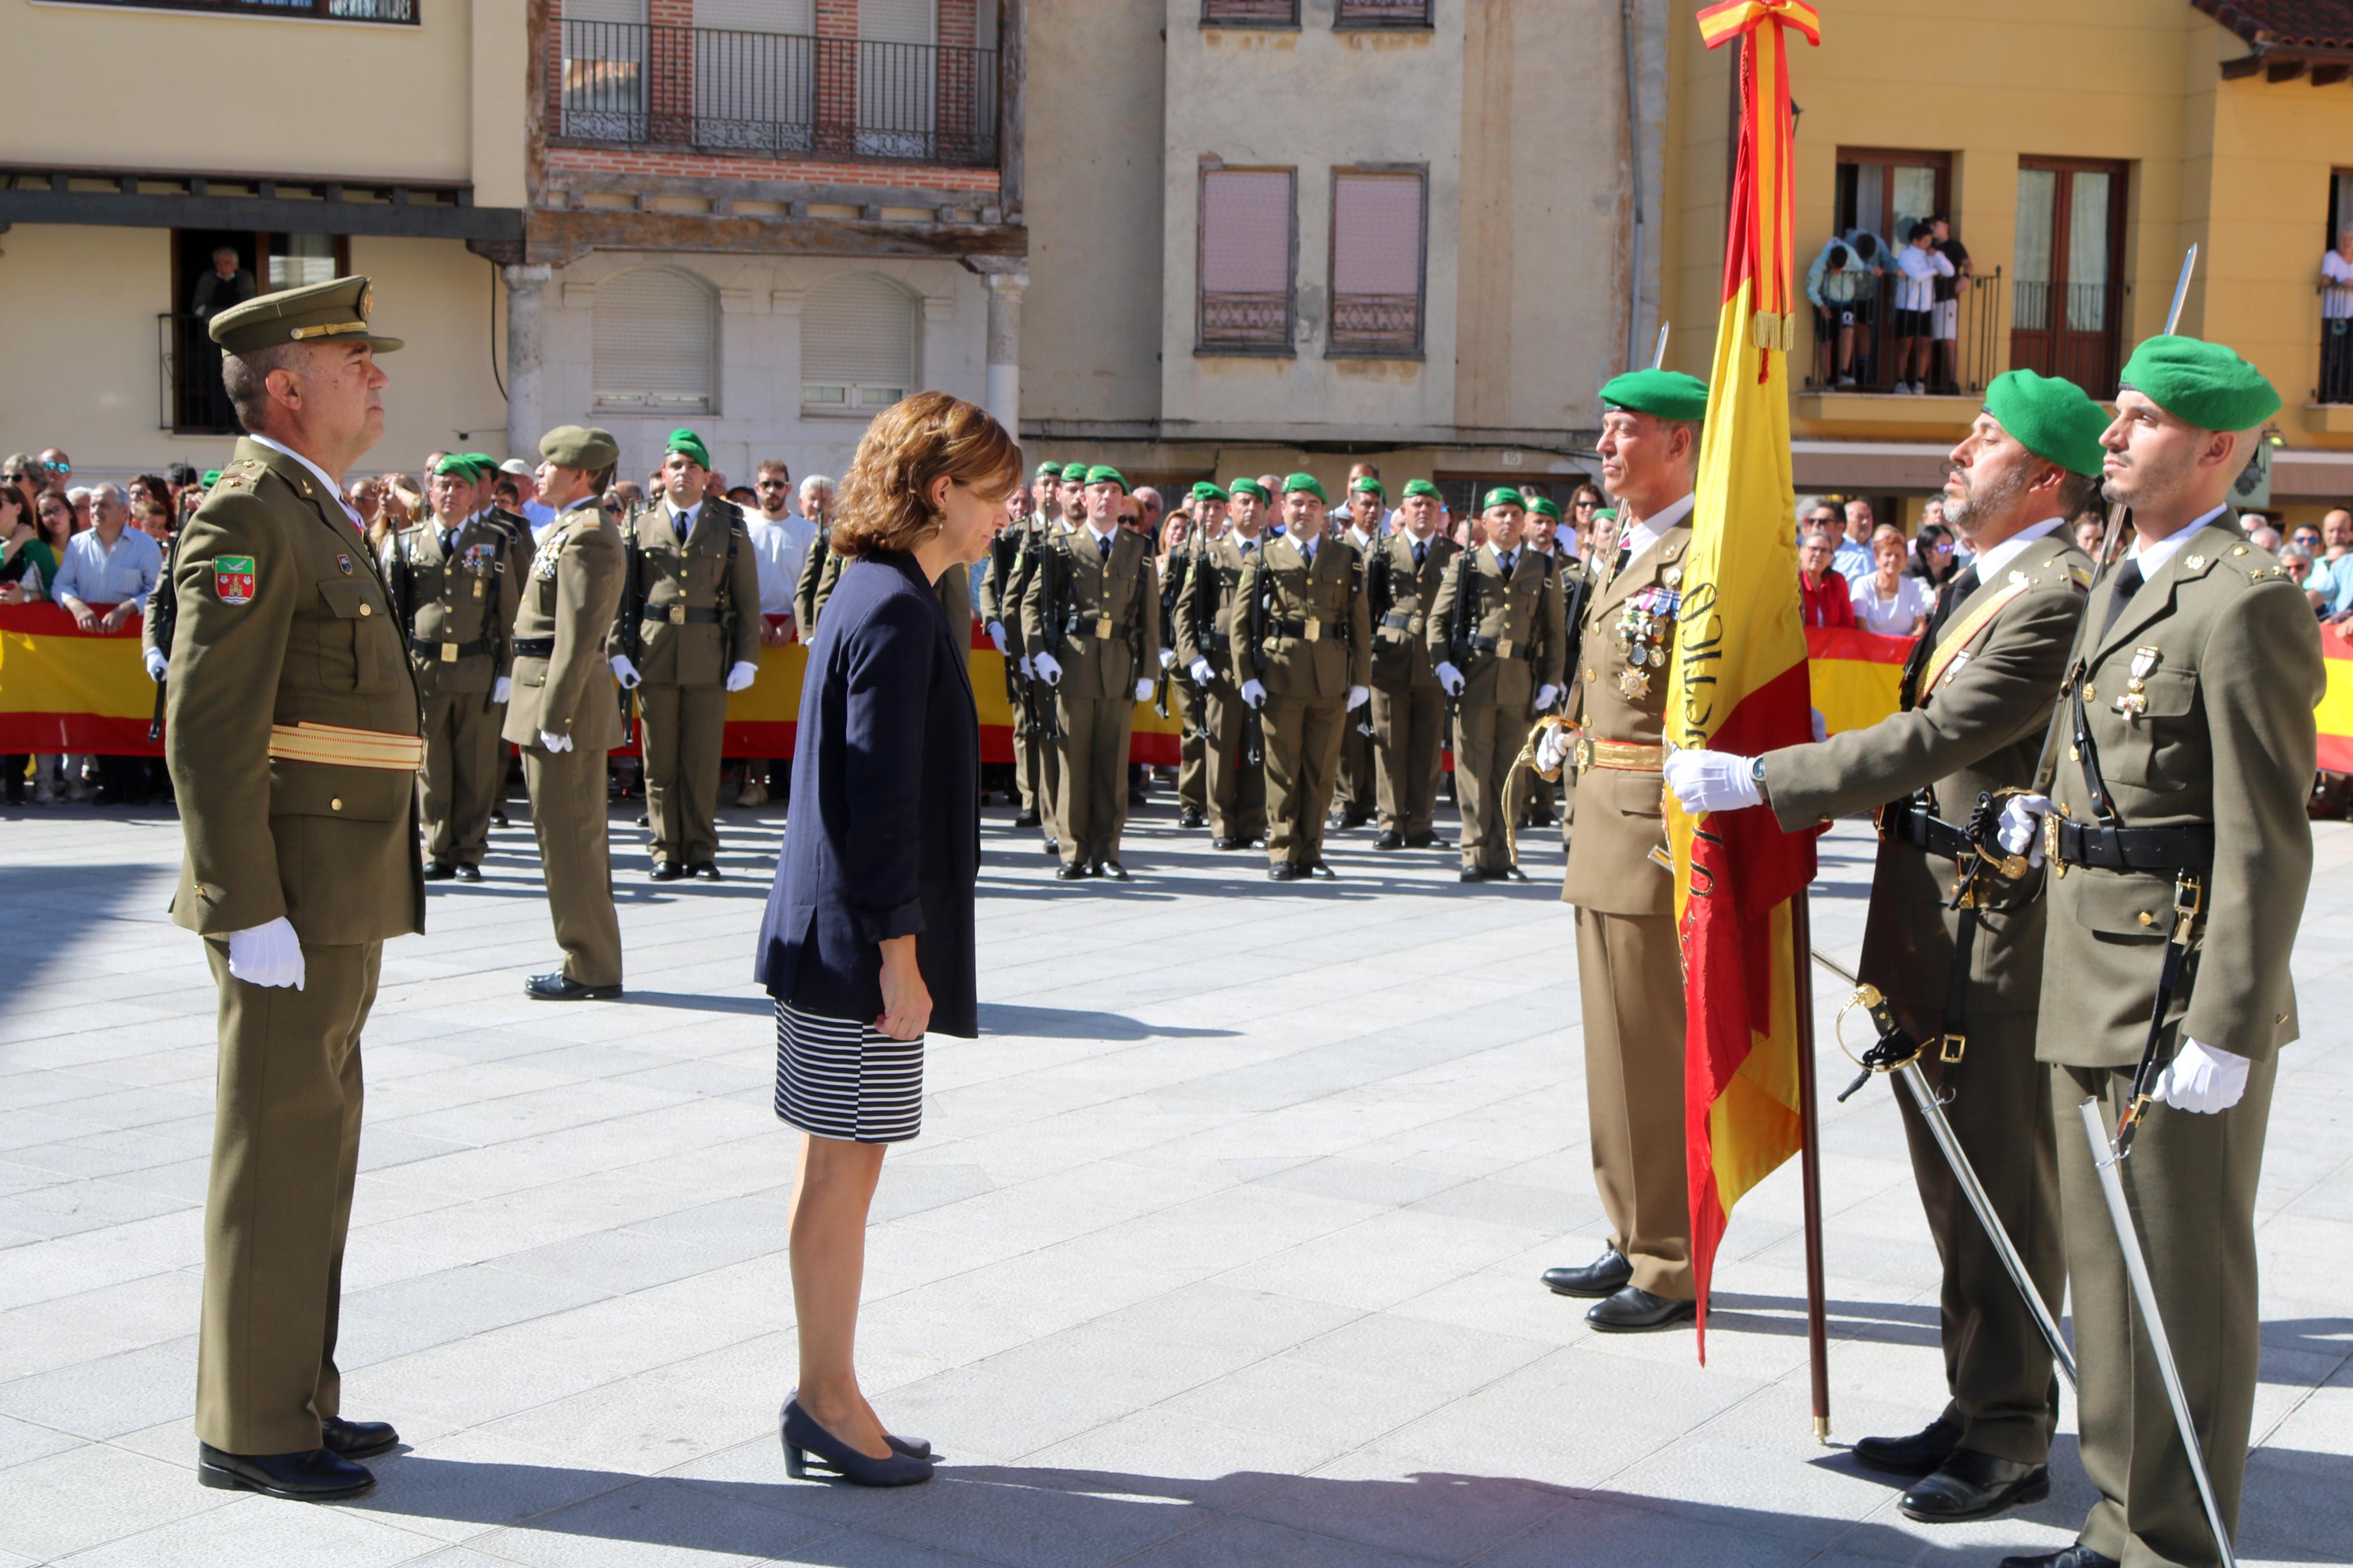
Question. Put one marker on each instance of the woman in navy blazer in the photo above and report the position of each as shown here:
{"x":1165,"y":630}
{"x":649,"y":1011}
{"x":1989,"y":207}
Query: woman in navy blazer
{"x":868,"y":939}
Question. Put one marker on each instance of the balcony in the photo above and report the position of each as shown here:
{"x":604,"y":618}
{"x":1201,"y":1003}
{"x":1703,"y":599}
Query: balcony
{"x":2335,"y":383}
{"x":397,"y":11}
{"x":780,"y":94}
{"x":1958,"y":366}
{"x":192,"y":400}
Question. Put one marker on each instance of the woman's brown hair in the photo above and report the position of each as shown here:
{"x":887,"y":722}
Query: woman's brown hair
{"x":885,"y":504}
{"x":41,"y":525}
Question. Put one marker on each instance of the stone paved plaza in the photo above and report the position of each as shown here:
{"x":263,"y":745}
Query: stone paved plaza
{"x":1220,"y":1248}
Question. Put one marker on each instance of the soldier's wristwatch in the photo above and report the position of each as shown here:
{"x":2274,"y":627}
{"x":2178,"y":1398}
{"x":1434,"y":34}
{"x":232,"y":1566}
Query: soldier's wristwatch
{"x":1757,"y":776}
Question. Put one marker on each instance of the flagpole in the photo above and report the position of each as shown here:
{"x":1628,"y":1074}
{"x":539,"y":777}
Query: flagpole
{"x":1810,"y":1164}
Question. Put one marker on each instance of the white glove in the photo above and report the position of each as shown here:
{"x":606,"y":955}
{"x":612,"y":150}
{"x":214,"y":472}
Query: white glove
{"x":1167,"y":658}
{"x":1450,"y":678}
{"x":742,"y":674}
{"x":995,"y":630}
{"x":1144,"y":689}
{"x":1029,"y":670}
{"x":2021,"y":826}
{"x":1200,"y":671}
{"x":503,"y":690}
{"x":1822,"y":725}
{"x":1049,"y":668}
{"x":1713,"y":781}
{"x":156,"y":665}
{"x":1553,"y":749}
{"x":1358,"y":696}
{"x":1254,"y":693}
{"x":2203,"y":1078}
{"x":1547,"y":696}
{"x":267,"y":955}
{"x":549,"y":741}
{"x":625,"y":672}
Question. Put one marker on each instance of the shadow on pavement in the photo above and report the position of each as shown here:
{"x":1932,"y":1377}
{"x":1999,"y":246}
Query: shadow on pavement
{"x":1078,"y":1023}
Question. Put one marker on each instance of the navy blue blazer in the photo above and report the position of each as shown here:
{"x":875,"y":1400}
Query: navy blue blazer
{"x":883,"y":837}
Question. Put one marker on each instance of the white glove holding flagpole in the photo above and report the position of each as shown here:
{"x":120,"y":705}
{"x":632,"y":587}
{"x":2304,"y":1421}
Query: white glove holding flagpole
{"x":1713,"y":781}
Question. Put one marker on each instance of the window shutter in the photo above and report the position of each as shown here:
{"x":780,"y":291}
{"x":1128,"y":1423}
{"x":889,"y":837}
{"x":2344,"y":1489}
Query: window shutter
{"x":655,"y":343}
{"x":1247,"y":236}
{"x":1376,"y":250}
{"x":756,"y":16}
{"x":898,"y":21}
{"x":629,"y":11}
{"x":857,"y":332}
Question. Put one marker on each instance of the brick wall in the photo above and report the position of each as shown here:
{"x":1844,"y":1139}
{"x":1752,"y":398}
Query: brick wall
{"x":803,"y":170}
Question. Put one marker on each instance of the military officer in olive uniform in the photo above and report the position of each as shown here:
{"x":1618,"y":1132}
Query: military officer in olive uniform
{"x":1186,"y":698}
{"x":1093,"y":622}
{"x":693,"y":590}
{"x":1629,"y":974}
{"x":1974,"y":704}
{"x":1533,"y":804}
{"x":1307,"y":664}
{"x":1001,"y":617}
{"x":2190,"y":750}
{"x":1209,"y":637}
{"x":293,"y":740}
{"x":457,"y":582}
{"x":1355,"y":785}
{"x":1495,"y":642}
{"x":563,"y":713}
{"x":1409,"y":705}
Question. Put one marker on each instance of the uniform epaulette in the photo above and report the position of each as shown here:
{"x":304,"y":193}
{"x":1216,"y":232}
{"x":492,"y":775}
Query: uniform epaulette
{"x":241,"y":475}
{"x":2252,"y":562}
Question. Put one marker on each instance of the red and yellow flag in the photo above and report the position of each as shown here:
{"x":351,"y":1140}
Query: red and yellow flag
{"x":1739,"y":680}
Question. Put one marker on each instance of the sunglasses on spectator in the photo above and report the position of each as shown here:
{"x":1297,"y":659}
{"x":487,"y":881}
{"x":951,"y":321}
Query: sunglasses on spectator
{"x":775,"y":484}
{"x":1946,"y":548}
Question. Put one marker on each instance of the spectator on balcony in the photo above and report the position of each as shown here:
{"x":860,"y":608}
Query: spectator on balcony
{"x":1827,"y":600}
{"x":1891,"y":601}
{"x":1915,"y":297}
{"x":1832,"y":284}
{"x":1944,"y":322}
{"x":110,"y":564}
{"x":2337,"y":320}
{"x":1932,"y":555}
{"x":27,"y":565}
{"x":1873,"y":260}
{"x":228,"y":284}
{"x":1853,"y":558}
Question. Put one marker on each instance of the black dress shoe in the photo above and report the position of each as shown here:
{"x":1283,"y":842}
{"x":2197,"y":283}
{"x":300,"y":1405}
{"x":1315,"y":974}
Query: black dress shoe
{"x":561,"y":987}
{"x":1916,"y":1455}
{"x":1070,"y":872}
{"x":1426,"y":841}
{"x":667,"y":872}
{"x":706,"y":870}
{"x":1972,"y":1485}
{"x":1138,"y":798}
{"x":439,"y":871}
{"x":1190,"y":817}
{"x":1635,"y":1311}
{"x":469,"y":873}
{"x":1026,"y":819}
{"x":1053,"y":846}
{"x":1323,"y":868}
{"x":498,"y":819}
{"x":1111,"y":868}
{"x":1513,"y":872}
{"x":1390,"y":840}
{"x":1225,"y":843}
{"x":1283,"y":871}
{"x":357,"y":1439}
{"x":1472,"y":874}
{"x":317,"y":1476}
{"x":2076,"y":1556}
{"x":1605,"y":1276}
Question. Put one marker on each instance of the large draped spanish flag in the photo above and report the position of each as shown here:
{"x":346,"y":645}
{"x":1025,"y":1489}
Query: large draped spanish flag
{"x":1739,"y":679}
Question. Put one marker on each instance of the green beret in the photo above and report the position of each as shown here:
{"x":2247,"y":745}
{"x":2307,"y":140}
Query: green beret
{"x":1545,"y":506}
{"x":211,"y":477}
{"x":1421,"y":487}
{"x":1307,"y":482}
{"x":1503,"y":495}
{"x":689,"y":444}
{"x":2203,"y":384}
{"x":1207,"y":489}
{"x":1241,"y":486}
{"x":1104,"y":474}
{"x":485,"y":465}
{"x":1049,"y":472}
{"x":588,"y":449}
{"x":1666,"y":393}
{"x":1074,"y":473}
{"x":455,"y":463}
{"x":334,"y":312}
{"x":1604,"y":514}
{"x":1366,"y":482}
{"x":2051,"y":417}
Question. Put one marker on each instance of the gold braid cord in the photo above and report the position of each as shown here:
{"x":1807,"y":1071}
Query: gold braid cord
{"x":1526,"y":762}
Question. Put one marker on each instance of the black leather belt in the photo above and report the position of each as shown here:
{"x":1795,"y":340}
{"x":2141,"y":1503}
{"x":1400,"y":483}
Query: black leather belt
{"x":1215,"y":639}
{"x":1492,"y":645}
{"x":1399,"y":620}
{"x":2188,"y":848}
{"x":534,"y":648}
{"x":1907,"y":823}
{"x":683,"y":615}
{"x":448,"y":653}
{"x":1075,"y":624}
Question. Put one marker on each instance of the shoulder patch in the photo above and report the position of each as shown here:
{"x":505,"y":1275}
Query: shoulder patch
{"x":233,"y":579}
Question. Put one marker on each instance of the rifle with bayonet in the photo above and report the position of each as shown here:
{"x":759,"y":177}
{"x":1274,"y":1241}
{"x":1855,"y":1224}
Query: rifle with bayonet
{"x":162,"y":618}
{"x":632,"y":615}
{"x":1171,"y":591}
{"x":1381,"y":597}
{"x":1460,"y":626}
{"x":1253,"y":721}
{"x":1004,"y":553}
{"x":1053,"y":570}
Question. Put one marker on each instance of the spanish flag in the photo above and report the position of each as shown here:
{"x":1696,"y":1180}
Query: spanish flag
{"x":1738,"y":683}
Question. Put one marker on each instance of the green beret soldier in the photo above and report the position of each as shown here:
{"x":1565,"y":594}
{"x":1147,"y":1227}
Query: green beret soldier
{"x":1207,"y":634}
{"x":292,"y":739}
{"x":686,"y":636}
{"x":1355,"y":787}
{"x":1409,"y":705}
{"x":1974,"y":704}
{"x":1307,"y":664}
{"x":1206,"y":502}
{"x":2175,"y":812}
{"x":1532,"y":801}
{"x":562,"y":713}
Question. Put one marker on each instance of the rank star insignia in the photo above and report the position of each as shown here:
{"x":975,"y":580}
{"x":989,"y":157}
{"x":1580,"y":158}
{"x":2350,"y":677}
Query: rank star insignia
{"x":233,"y":578}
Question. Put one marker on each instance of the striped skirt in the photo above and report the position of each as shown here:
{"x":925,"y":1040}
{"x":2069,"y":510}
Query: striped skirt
{"x":839,"y":1079}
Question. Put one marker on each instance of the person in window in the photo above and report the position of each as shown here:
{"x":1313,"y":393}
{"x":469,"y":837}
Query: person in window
{"x":1890,"y":601}
{"x":1944,"y":314}
{"x":2337,"y":320}
{"x":1827,"y":603}
{"x":1833,"y":283}
{"x":1919,"y":268}
{"x":226,"y":285}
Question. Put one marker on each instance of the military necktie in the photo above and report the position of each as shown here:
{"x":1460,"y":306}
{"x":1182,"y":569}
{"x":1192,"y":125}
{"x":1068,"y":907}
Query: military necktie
{"x":1103,"y":548}
{"x":1421,"y":553}
{"x":449,"y":542}
{"x":2128,"y":582}
{"x":678,"y":521}
{"x":1956,"y":589}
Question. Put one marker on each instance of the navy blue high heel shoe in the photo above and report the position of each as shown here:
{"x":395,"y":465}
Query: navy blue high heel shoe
{"x":921,"y":1447}
{"x":804,"y":1440}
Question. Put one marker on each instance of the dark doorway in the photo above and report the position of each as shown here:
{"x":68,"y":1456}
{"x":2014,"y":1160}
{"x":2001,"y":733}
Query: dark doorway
{"x":197,"y":402}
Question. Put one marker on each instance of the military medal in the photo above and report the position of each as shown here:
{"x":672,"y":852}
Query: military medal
{"x":2134,"y":701}
{"x":1645,"y":628}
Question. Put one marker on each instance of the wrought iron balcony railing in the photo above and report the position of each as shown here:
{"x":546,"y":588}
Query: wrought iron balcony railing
{"x":2335,"y":383}
{"x":778,"y":93}
{"x":1248,"y":320}
{"x":397,"y":11}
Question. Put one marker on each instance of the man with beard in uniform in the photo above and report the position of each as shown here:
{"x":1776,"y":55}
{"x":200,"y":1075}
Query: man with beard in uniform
{"x":1307,"y":661}
{"x":1514,"y":649}
{"x":1974,"y":704}
{"x":1409,"y":705}
{"x":1208,"y":636}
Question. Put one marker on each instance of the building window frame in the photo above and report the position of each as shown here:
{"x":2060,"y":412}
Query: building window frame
{"x":2092,"y":359}
{"x":654,"y":405}
{"x":1203,"y":344}
{"x":1279,"y":15}
{"x":357,"y":13}
{"x":860,"y":400}
{"x":1384,"y":15}
{"x":1334,"y":347}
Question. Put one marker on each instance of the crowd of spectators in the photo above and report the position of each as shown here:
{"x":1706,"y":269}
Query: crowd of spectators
{"x":1860,"y":283}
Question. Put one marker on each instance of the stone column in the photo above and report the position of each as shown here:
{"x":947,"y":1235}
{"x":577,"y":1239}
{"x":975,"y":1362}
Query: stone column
{"x":526,"y":330}
{"x":1004,"y":396}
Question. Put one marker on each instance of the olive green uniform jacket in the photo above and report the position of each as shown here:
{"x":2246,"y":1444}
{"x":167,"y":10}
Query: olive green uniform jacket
{"x":680,"y":584}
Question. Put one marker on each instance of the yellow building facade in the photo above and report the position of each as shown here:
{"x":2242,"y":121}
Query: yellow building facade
{"x":2079,"y":148}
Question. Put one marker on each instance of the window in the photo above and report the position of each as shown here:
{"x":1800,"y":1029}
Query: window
{"x":330,"y":10}
{"x":1249,"y":251}
{"x":1884,"y":193}
{"x":1377,"y":262}
{"x":2065,"y":306}
{"x":656,"y":342}
{"x":857,"y":346}
{"x":1381,"y":13}
{"x":1249,"y":13}
{"x":897,"y":77}
{"x":193,"y":399}
{"x":755,"y":74}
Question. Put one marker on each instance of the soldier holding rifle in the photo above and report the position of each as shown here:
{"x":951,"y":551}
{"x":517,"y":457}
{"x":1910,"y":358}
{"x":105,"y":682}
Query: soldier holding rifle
{"x":1409,"y":706}
{"x":1208,"y":635}
{"x":1966,"y":977}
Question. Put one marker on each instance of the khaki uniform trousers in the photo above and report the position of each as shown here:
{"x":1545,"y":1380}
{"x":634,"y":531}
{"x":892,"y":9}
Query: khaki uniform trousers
{"x":567,"y":817}
{"x":1631,"y":982}
{"x":683,"y":732}
{"x":2191,"y":1185}
{"x":1025,"y":768}
{"x":1411,"y":751}
{"x":1237,"y":784}
{"x":1486,"y":740}
{"x":1192,"y":750}
{"x":465,"y":768}
{"x":2005,"y":1395}
{"x":286,"y":1148}
{"x":1354,"y":783}
{"x":1094,"y":775}
{"x":1303,"y":754}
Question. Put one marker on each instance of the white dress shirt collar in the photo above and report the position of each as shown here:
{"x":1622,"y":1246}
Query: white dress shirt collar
{"x":1099,"y":536}
{"x":331,"y":487}
{"x":682,"y":518}
{"x":1648,"y":531}
{"x":1995,"y":558}
{"x":2153,"y":557}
